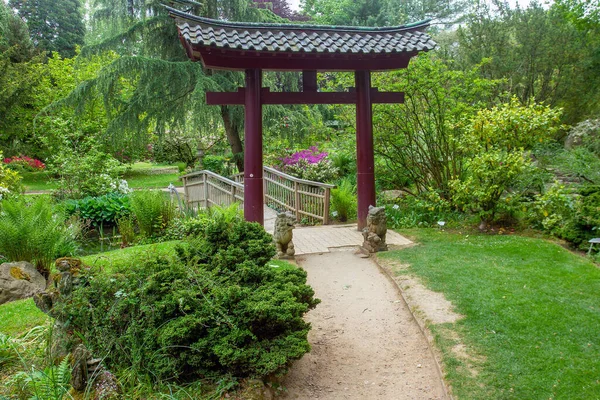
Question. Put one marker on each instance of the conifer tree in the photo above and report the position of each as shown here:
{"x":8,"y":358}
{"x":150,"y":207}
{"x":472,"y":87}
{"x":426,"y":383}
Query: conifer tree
{"x":152,"y":88}
{"x":53,"y":25}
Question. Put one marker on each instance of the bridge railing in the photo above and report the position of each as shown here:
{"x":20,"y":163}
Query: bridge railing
{"x":307,"y":200}
{"x":206,"y":189}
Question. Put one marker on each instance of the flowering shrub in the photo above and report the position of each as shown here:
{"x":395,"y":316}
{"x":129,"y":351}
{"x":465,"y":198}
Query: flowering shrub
{"x":309,"y":164}
{"x":25,"y":163}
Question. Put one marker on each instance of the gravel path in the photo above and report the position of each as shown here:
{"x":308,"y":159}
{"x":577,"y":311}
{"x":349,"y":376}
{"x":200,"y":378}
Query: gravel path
{"x":365,"y":342}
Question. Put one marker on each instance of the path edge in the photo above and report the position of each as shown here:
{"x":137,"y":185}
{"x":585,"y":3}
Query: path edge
{"x":435,"y":353}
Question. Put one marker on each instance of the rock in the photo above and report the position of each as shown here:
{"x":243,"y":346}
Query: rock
{"x":19,"y":280}
{"x":79,"y":367}
{"x":106,"y":386}
{"x":391,"y":195}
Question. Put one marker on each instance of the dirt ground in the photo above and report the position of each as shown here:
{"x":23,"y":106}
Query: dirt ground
{"x":365,"y":342}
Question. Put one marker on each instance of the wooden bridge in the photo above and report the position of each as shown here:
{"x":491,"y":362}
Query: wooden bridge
{"x":307,"y":200}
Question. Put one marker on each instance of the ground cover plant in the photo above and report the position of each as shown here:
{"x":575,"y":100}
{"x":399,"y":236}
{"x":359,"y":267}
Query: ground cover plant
{"x":531,"y":314}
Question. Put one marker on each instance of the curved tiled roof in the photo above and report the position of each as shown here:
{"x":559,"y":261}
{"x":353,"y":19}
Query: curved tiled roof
{"x":296,"y":38}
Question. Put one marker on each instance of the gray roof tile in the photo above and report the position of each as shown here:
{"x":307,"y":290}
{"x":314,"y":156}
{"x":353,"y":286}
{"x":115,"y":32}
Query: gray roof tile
{"x":302,"y":38}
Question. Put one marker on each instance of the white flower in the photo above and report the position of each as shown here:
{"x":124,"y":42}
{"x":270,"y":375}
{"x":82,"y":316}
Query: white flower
{"x":3,"y":191}
{"x":396,"y":206}
{"x":441,"y":223}
{"x":124,"y":187}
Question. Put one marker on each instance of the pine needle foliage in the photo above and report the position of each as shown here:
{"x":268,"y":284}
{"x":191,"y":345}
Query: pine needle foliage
{"x":153,"y":89}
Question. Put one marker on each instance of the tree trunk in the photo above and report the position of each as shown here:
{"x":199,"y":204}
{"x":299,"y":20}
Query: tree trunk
{"x":232,"y":130}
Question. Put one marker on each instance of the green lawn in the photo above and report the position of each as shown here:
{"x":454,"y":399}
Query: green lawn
{"x":122,"y":257}
{"x":142,"y":175}
{"x":18,"y":317}
{"x":532,"y":314}
{"x":35,"y":181}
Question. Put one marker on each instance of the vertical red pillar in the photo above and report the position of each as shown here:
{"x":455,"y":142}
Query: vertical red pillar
{"x":365,"y":161}
{"x":253,"y":149}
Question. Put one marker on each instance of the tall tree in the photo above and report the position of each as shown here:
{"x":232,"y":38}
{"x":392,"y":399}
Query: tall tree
{"x":539,"y":53}
{"x":20,"y":73}
{"x":53,"y":25}
{"x":383,"y":12}
{"x":153,"y":88}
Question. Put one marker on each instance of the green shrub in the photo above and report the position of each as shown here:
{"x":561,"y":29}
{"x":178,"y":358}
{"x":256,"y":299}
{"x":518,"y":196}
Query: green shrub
{"x":489,"y":176}
{"x":99,"y":210}
{"x":424,"y":210}
{"x":91,"y":173}
{"x":570,"y":214}
{"x":36,"y":232}
{"x":10,"y":181}
{"x":343,"y":200}
{"x":220,"y":310}
{"x":153,"y":212}
{"x":218,"y":164}
{"x":181,"y":166}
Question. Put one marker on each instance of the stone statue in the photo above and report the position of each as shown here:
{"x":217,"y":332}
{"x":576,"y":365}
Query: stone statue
{"x":375,"y":231}
{"x":282,"y":236}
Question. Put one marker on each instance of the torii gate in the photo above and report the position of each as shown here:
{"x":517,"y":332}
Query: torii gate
{"x":253,"y":47}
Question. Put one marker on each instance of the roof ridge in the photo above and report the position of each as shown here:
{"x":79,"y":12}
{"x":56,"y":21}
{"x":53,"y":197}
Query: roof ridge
{"x":416,"y":26}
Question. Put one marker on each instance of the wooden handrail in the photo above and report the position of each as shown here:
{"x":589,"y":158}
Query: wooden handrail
{"x":214,"y":175}
{"x":304,"y":198}
{"x":294,"y":179}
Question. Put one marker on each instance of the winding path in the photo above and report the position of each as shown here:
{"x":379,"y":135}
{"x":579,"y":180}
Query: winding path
{"x":365,"y":342}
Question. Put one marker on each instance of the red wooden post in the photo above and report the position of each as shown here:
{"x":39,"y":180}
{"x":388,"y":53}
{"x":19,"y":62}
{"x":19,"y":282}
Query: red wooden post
{"x":253,"y":156}
{"x":364,"y":146}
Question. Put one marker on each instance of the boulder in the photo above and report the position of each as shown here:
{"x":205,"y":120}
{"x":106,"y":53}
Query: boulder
{"x":19,"y":280}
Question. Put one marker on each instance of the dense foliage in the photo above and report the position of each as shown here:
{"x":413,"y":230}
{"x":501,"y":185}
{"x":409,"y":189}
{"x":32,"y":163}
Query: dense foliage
{"x":220,"y":309}
{"x":100,"y":210}
{"x":37,"y":232}
{"x":10,"y":182}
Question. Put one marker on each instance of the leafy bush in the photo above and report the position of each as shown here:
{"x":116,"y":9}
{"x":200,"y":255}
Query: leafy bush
{"x":220,"y":310}
{"x":218,"y":164}
{"x":93,"y":173}
{"x":494,"y":146}
{"x":10,"y":182}
{"x":489,"y":176}
{"x":99,"y":210}
{"x":36,"y":232}
{"x":343,"y":200}
{"x":153,"y":211}
{"x":570,"y":214}
{"x":424,"y":210}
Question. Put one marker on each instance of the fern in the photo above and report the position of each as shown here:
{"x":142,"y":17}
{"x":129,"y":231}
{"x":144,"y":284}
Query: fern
{"x":35,"y":232}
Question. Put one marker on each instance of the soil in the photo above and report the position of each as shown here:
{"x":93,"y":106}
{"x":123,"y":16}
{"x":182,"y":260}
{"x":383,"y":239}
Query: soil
{"x":365,"y":342}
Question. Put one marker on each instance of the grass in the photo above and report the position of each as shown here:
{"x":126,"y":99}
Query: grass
{"x":38,"y":181}
{"x":142,"y":175}
{"x":118,"y":258}
{"x":18,"y":317}
{"x":532,"y":314}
